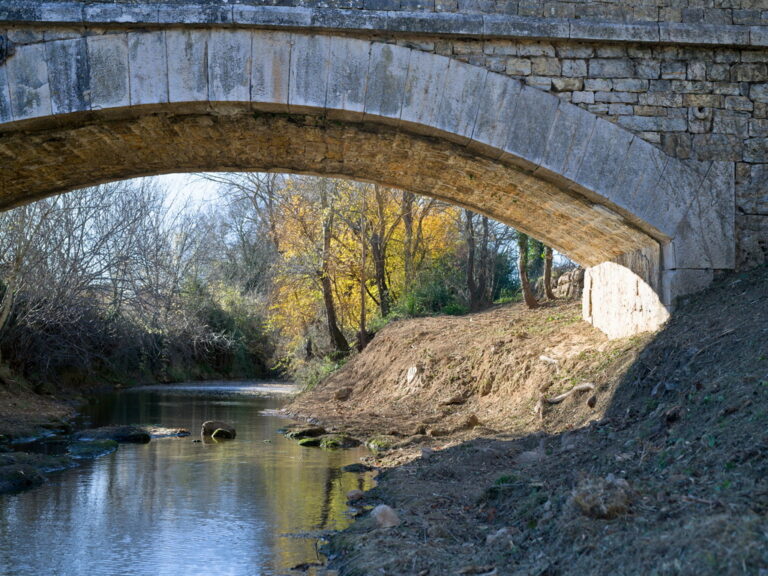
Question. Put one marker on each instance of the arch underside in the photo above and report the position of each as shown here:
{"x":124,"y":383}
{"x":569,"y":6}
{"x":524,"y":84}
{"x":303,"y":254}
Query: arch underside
{"x":64,"y":153}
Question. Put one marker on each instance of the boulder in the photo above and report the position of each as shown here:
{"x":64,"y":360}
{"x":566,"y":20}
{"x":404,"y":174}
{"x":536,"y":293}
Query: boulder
{"x":570,"y":285}
{"x":18,"y":477}
{"x":162,"y":432}
{"x":219,"y":430}
{"x":385,"y":517}
{"x":301,"y":431}
{"x":120,"y":434}
{"x":92,"y":449}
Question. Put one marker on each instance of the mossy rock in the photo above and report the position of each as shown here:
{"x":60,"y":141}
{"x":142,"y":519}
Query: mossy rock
{"x":334,"y":441}
{"x":94,"y":449}
{"x":17,"y":477}
{"x":301,"y":432}
{"x":310,"y":442}
{"x":379,"y":443}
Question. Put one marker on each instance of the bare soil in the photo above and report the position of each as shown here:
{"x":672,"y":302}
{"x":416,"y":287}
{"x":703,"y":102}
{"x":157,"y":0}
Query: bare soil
{"x":25,"y":413}
{"x":661,"y":469}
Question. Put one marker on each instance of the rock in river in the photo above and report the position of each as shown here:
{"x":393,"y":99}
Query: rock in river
{"x":217,"y":429}
{"x":18,"y":477}
{"x":121,"y":434}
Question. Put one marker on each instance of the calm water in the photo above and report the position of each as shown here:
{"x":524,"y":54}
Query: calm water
{"x":178,"y":508}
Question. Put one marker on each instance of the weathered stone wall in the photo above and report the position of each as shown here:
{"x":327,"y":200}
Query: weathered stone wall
{"x":719,"y":12}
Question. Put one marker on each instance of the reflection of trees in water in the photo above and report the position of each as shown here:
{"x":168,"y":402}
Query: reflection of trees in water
{"x":266,"y":489}
{"x":332,"y":475}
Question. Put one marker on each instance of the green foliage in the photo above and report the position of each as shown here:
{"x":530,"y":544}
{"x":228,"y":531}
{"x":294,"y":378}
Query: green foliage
{"x":310,"y":373}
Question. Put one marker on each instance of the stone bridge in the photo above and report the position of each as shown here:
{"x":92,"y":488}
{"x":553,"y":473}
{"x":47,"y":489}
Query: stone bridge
{"x":631,"y":135}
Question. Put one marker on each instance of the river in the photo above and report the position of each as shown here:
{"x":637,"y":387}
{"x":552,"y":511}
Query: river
{"x":176,"y":507}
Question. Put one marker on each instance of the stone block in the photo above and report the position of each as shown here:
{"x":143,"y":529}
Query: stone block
{"x":187,"y":70}
{"x":611,"y":68}
{"x":673,"y":70}
{"x":621,"y":97}
{"x":567,"y":143}
{"x":386,"y":81}
{"x":580,"y":97}
{"x":604,"y":159}
{"x":630,"y":85}
{"x":520,"y":27}
{"x":108,"y":69}
{"x":752,"y":193}
{"x":28,"y":80}
{"x":758,"y":128}
{"x":329,"y":19}
{"x":718,"y":147}
{"x":462,"y":94}
{"x":758,"y":35}
{"x":682,"y":282}
{"x":423,"y":89}
{"x":120,"y":13}
{"x":654,"y":123}
{"x":614,"y":31}
{"x":705,"y":236}
{"x":270,"y":70}
{"x":620,"y":110}
{"x":598,"y":85}
{"x":530,"y":127}
{"x":434,"y":23}
{"x":567,"y":84}
{"x":493,"y":124}
{"x":703,"y":34}
{"x":637,"y":189}
{"x":148,"y":66}
{"x":207,"y":13}
{"x":69,"y":12}
{"x":545,"y":66}
{"x":310,"y":63}
{"x":575,"y":68}
{"x":518,"y":66}
{"x":752,"y":248}
{"x":6,"y":115}
{"x":749,"y":72}
{"x":728,"y":122}
{"x":541,"y":82}
{"x":277,"y":16}
{"x":756,"y":150}
{"x":620,"y":301}
{"x":759,"y":92}
{"x":347,"y":78}
{"x":229,"y":65}
{"x":536,"y":49}
{"x":68,"y":75}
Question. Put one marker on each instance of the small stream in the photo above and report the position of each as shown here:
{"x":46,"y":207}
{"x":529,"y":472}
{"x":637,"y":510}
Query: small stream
{"x":175,"y":507}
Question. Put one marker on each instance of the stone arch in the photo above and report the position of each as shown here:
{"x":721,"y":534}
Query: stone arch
{"x":90,"y":108}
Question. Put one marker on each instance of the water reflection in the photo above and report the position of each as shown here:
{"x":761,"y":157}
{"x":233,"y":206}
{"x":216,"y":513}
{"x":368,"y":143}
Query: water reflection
{"x":177,"y":507}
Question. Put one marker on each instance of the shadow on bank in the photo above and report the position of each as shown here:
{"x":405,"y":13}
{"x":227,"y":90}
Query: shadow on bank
{"x":673,"y":479}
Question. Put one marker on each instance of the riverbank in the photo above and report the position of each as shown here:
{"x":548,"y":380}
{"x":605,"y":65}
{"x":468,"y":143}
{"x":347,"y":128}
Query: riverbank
{"x":25,"y":413}
{"x":660,"y":468}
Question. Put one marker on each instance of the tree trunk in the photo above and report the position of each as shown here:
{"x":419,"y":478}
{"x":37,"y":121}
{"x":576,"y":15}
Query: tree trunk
{"x":379,"y":251}
{"x":469,"y":237}
{"x":362,"y":340}
{"x":337,"y":337}
{"x":548,"y":273}
{"x":522,"y":268}
{"x":484,"y":280}
{"x":408,"y":248}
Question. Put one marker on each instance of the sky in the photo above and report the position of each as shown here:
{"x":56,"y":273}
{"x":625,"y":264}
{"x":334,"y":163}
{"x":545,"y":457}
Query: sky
{"x":188,"y":187}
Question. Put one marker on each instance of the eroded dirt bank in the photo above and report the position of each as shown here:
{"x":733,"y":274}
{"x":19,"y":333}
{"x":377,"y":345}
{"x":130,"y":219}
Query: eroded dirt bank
{"x":661,"y":469}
